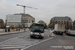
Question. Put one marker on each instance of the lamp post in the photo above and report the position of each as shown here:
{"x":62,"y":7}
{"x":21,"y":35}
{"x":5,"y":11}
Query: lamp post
{"x":6,"y":22}
{"x":5,"y":25}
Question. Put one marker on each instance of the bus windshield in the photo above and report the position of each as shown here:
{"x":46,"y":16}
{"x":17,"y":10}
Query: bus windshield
{"x":35,"y":28}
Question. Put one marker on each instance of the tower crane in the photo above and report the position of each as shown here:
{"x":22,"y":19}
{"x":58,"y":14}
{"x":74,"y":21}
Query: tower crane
{"x":25,"y":7}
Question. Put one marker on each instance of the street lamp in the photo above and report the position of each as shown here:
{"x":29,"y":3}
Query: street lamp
{"x":5,"y":25}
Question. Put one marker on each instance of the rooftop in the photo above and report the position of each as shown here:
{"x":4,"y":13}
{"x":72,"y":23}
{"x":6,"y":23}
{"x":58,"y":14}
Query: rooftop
{"x":61,"y":18}
{"x":1,"y":21}
{"x":40,"y":21}
{"x":23,"y":15}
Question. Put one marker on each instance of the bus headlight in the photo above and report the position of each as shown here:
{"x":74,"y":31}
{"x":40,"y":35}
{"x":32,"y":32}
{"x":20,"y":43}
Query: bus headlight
{"x":42,"y":34}
{"x":31,"y":33}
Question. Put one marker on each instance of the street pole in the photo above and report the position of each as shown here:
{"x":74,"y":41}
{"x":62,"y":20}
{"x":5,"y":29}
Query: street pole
{"x":5,"y":25}
{"x":24,"y":13}
{"x":6,"y":22}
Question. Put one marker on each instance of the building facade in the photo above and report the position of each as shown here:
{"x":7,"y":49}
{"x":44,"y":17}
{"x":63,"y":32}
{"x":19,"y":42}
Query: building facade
{"x":73,"y":25}
{"x":61,"y":20}
{"x":26,"y":18}
{"x":42,"y":22}
{"x":19,"y":20}
{"x":1,"y":23}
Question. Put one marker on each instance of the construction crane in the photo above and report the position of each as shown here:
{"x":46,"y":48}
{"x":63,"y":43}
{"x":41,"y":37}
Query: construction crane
{"x":25,"y":7}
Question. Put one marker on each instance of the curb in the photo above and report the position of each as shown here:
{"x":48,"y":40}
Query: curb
{"x":7,"y":33}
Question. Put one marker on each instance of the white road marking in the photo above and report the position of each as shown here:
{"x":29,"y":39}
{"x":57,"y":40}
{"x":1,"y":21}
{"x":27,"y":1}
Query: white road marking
{"x":13,"y":38}
{"x":22,"y":49}
{"x":11,"y":47}
{"x":38,"y":42}
{"x":25,"y":47}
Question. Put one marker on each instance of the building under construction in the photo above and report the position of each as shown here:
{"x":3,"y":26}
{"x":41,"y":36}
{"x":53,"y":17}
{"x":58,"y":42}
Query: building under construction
{"x":19,"y":20}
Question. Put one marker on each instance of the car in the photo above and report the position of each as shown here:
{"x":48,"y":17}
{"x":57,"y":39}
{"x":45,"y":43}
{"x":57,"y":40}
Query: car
{"x":70,"y":32}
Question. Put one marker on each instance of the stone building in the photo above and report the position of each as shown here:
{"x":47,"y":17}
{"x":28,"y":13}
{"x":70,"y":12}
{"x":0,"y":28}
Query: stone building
{"x":73,"y":25}
{"x":42,"y":22}
{"x":61,"y":20}
{"x":1,"y":23}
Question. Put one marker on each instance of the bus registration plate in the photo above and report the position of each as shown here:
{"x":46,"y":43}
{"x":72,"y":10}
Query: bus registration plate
{"x":37,"y":33}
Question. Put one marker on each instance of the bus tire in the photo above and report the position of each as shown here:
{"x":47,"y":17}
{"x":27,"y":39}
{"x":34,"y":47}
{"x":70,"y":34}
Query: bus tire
{"x":41,"y":37}
{"x":31,"y":36}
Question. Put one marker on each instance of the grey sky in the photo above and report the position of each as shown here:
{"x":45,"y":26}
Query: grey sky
{"x":46,"y":8}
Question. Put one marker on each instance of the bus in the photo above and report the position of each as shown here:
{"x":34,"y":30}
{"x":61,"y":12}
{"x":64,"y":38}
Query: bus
{"x":37,"y":30}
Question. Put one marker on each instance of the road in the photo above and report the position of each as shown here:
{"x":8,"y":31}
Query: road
{"x":58,"y":43}
{"x":9,"y":36}
{"x":23,"y":41}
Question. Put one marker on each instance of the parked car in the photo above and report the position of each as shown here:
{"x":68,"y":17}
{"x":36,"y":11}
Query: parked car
{"x":70,"y":32}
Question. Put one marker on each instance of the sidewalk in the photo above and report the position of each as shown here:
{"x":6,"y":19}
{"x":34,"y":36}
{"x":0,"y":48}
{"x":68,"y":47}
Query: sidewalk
{"x":12,"y":32}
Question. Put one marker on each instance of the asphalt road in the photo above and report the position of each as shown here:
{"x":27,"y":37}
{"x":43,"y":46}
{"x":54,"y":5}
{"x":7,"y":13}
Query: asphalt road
{"x":9,"y":36}
{"x":22,"y":40}
{"x":58,"y":43}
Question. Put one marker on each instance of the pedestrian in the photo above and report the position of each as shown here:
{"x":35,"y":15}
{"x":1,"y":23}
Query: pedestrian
{"x":51,"y":34}
{"x":24,"y":29}
{"x":8,"y":29}
{"x":19,"y":29}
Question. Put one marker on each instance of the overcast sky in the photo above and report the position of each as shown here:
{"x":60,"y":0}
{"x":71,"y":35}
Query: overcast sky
{"x":46,"y":8}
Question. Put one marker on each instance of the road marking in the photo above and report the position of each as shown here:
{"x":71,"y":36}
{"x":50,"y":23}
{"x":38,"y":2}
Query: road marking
{"x":11,"y":46}
{"x":25,"y":47}
{"x":38,"y":43}
{"x":13,"y":38}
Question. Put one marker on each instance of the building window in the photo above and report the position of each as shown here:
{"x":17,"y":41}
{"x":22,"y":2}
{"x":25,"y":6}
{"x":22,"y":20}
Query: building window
{"x":61,"y":21}
{"x":64,"y":21}
{"x":67,"y":21}
{"x":29,"y":21}
{"x":26,"y":21}
{"x":69,"y":18}
{"x":32,"y":21}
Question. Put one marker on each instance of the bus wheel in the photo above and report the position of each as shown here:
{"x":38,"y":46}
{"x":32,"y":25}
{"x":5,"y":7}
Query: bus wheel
{"x":31,"y":37}
{"x":61,"y":33}
{"x":41,"y":37}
